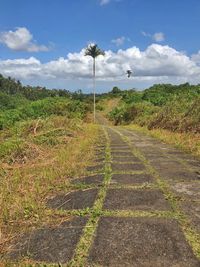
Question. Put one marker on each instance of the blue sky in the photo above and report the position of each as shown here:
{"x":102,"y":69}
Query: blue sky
{"x":41,"y":42}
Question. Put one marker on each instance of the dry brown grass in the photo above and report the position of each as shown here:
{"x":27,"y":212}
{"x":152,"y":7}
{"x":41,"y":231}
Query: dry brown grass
{"x":25,"y":185}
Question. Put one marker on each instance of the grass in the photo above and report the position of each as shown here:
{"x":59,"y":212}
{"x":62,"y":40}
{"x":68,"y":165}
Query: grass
{"x":29,"y":178}
{"x":188,"y":142}
{"x":84,"y":244}
{"x":108,"y":104}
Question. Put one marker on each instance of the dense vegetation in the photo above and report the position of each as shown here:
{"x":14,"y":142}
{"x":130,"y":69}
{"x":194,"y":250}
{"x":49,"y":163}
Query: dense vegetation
{"x":27,"y":111}
{"x":18,"y":103}
{"x":166,"y":106}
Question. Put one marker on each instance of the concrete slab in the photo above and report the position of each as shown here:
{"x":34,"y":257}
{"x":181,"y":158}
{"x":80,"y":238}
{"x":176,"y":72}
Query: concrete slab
{"x":126,"y":159}
{"x":193,"y":163}
{"x":92,"y":179}
{"x":135,"y":199}
{"x":51,"y":245}
{"x":140,"y":242}
{"x":100,"y":153}
{"x":120,"y":148}
{"x":95,"y":168}
{"x":131,"y":179}
{"x":79,"y":199}
{"x":99,"y":160}
{"x":173,"y":170}
{"x":187,"y":190}
{"x":117,"y":143}
{"x":192,"y":210}
{"x":121,"y":154}
{"x":177,"y":174}
{"x":127,"y":167}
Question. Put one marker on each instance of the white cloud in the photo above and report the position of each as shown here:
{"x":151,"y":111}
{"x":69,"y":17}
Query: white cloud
{"x":21,"y":40}
{"x":146,"y":34}
{"x":157,"y":63}
{"x":104,"y":2}
{"x":119,"y":41}
{"x":157,"y":36}
{"x":196,"y":58}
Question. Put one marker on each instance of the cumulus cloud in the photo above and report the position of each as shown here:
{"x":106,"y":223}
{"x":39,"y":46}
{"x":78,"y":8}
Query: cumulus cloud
{"x":21,"y":40}
{"x":196,"y":58}
{"x":157,"y":36}
{"x":156,"y":63}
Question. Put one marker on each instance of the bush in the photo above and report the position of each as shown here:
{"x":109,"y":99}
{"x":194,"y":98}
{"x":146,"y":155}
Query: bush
{"x":43,"y":108}
{"x":181,"y":114}
{"x":139,"y":113}
{"x":176,"y":108}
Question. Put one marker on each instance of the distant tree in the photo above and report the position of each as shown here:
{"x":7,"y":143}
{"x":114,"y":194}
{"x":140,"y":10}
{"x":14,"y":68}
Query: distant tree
{"x":94,"y":51}
{"x":115,"y":90}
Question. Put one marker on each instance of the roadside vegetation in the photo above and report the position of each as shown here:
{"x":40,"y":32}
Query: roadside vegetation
{"x":45,"y":138}
{"x":169,"y":112}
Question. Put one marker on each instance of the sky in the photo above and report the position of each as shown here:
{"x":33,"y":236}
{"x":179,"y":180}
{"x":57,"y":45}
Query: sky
{"x":42,"y":42}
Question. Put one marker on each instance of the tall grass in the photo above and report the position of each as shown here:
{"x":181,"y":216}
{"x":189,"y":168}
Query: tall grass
{"x":37,"y":167}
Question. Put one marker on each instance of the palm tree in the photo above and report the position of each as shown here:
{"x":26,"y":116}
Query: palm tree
{"x":94,"y":51}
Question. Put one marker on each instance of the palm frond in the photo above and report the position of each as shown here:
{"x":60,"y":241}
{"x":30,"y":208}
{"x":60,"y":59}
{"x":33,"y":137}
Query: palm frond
{"x":94,"y":51}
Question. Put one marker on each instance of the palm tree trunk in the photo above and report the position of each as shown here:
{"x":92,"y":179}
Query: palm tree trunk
{"x":94,"y":89}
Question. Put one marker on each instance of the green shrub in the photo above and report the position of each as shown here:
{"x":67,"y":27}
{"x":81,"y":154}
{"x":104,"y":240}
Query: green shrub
{"x":172,"y":107}
{"x":139,"y":113}
{"x":181,"y":114}
{"x":43,"y":108}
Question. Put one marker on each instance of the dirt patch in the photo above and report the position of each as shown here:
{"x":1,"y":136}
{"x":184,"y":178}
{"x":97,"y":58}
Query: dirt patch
{"x":135,"y":199}
{"x":140,"y":242}
{"x":52,"y":245}
{"x":80,"y":199}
